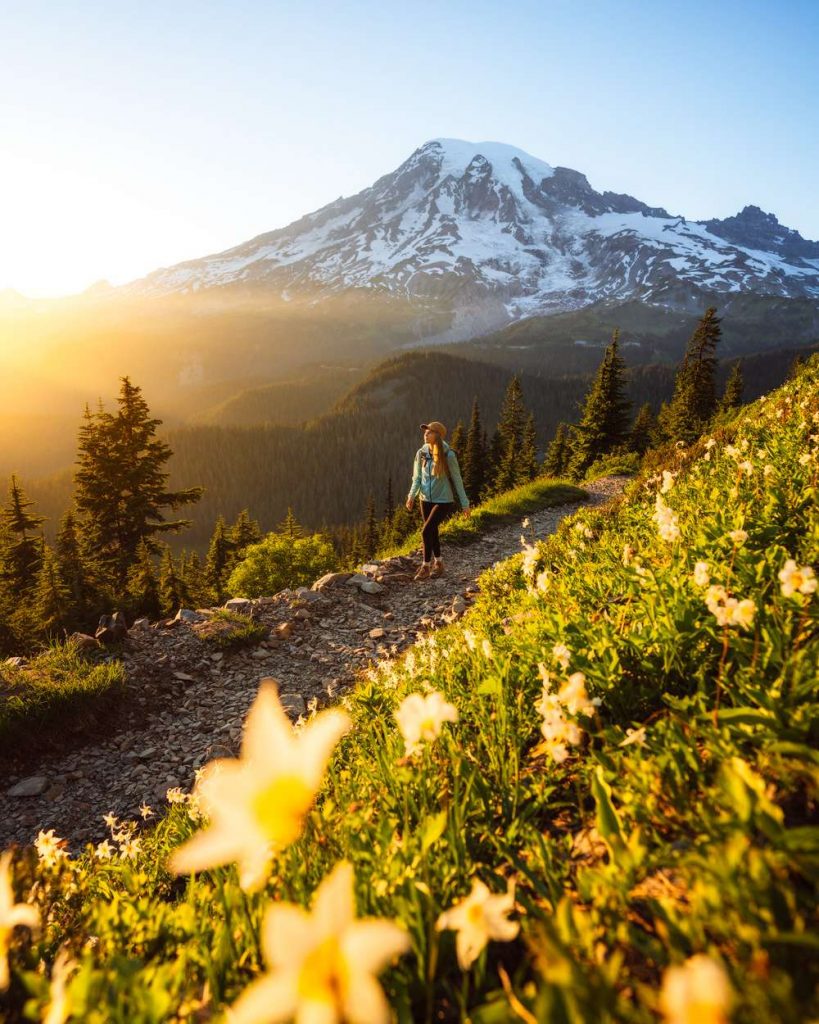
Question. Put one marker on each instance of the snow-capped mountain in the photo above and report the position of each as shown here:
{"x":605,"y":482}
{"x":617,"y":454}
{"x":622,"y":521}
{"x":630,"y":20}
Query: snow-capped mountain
{"x":493,"y":234}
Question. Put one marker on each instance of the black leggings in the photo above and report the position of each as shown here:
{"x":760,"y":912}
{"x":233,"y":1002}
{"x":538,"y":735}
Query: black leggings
{"x":434,"y":515}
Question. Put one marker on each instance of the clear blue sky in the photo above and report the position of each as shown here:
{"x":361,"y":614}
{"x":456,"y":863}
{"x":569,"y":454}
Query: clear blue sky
{"x":136,"y":135}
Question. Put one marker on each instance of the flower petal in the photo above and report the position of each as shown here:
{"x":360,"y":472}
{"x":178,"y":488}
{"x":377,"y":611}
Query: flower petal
{"x":370,"y":945}
{"x":287,"y":936}
{"x":271,"y":999}
{"x":334,"y":902}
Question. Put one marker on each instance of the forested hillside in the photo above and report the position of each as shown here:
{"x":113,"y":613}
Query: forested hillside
{"x":326,"y":470}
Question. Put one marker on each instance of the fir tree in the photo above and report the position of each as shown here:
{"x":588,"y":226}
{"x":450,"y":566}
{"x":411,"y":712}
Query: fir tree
{"x":194,"y":582}
{"x":290,"y":526}
{"x":20,"y":553}
{"x":142,"y":587}
{"x":218,"y":559}
{"x":456,"y":441}
{"x":527,"y":461}
{"x":734,"y":386}
{"x":604,"y":423}
{"x":474,"y":462}
{"x":121,"y":483}
{"x":370,"y":534}
{"x":511,"y":425}
{"x":643,"y":430}
{"x":694,"y":401}
{"x":389,"y":504}
{"x":559,"y":453}
{"x":171,"y":588}
{"x":244,"y":532}
{"x":51,"y":597}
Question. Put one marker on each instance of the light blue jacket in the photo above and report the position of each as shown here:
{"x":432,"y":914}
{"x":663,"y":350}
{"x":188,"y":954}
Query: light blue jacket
{"x":436,"y":488}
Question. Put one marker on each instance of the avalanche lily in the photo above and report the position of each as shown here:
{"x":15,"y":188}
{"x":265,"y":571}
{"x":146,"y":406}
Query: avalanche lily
{"x":479,"y":918}
{"x":698,"y":992}
{"x":420,"y":718}
{"x":322,"y":965}
{"x":11,"y":915}
{"x":257,"y":803}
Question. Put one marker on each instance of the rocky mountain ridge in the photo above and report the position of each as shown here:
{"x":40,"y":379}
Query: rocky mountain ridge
{"x":492,"y":234}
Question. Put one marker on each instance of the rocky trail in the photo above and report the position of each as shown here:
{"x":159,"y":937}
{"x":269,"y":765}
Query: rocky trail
{"x":185,"y":700}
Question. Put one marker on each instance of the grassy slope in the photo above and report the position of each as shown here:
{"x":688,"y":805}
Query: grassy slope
{"x":626,"y":858}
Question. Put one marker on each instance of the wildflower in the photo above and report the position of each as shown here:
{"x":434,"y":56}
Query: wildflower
{"x":103,"y":850}
{"x":420,"y":718}
{"x":666,"y":520}
{"x":477,"y":919}
{"x":747,"y":467}
{"x":530,"y":557}
{"x":804,"y":458}
{"x":572,"y":695}
{"x":146,"y":812}
{"x":322,"y":965}
{"x":795,"y":579}
{"x":50,"y":849}
{"x":742,"y":614}
{"x":709,"y":444}
{"x":700,"y":574}
{"x":59,"y":1004}
{"x":668,"y":482}
{"x":525,"y":523}
{"x":738,"y":537}
{"x":698,"y":992}
{"x":486,"y":649}
{"x":175,"y":795}
{"x":11,"y":915}
{"x":628,"y":554}
{"x":129,"y":847}
{"x":110,"y":820}
{"x":768,"y":470}
{"x":562,"y":655}
{"x":257,"y":802}
{"x":634,"y":737}
{"x":542,"y":581}
{"x":559,"y":733}
{"x":469,"y":639}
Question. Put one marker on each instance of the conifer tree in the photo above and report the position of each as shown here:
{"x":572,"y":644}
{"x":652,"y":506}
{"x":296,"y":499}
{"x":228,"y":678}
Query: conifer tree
{"x":527,"y":461}
{"x":474,"y":462}
{"x":20,"y":554}
{"x":51,"y":598}
{"x":389,"y":504}
{"x":141,"y":585}
{"x":370,"y":534}
{"x":734,"y":386}
{"x":559,"y":453}
{"x":604,"y":423}
{"x":121,"y":484}
{"x":218,"y":559}
{"x":456,"y":441}
{"x":643,"y":430}
{"x":290,"y":526}
{"x":195,"y":584}
{"x":511,"y":425}
{"x":171,"y":588}
{"x":694,"y":401}
{"x":244,"y":532}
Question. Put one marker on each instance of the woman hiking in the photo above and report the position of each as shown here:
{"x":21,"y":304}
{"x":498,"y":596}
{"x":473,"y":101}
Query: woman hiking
{"x":437,"y":478}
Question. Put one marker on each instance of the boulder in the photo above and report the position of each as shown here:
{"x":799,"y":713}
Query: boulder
{"x":357,"y":579}
{"x":188,"y":615}
{"x":238,"y":604}
{"x":34,"y":785}
{"x":284,"y":630}
{"x":112,"y":628}
{"x":84,"y":642}
{"x":371,"y":568}
{"x":330,"y":580}
{"x":371,"y":587}
{"x":293,"y":704}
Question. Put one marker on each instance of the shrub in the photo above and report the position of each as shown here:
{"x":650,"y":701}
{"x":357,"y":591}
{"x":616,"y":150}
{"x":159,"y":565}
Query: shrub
{"x":278,"y":562}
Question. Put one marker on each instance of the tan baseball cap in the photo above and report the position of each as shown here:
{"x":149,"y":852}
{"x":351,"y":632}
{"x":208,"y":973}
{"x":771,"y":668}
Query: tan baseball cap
{"x":435,"y":425}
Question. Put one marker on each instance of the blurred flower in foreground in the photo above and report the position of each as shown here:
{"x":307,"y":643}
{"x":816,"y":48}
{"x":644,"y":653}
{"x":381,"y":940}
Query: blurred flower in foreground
{"x":420,"y":718}
{"x":257,"y":802}
{"x":794,"y":578}
{"x":479,"y":918}
{"x":11,"y":915}
{"x":59,"y":1005}
{"x":698,"y":992}
{"x":323,"y":964}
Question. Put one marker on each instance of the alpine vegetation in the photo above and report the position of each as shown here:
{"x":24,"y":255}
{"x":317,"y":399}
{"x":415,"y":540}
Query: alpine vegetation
{"x":593,"y":798}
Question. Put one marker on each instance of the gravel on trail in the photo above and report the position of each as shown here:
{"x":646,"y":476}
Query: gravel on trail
{"x":186,"y":701}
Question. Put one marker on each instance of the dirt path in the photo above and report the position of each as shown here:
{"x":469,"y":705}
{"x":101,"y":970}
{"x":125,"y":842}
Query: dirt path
{"x":186,"y":703}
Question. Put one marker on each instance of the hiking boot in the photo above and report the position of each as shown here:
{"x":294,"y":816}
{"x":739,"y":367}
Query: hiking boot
{"x":437,"y":568}
{"x":423,"y":573}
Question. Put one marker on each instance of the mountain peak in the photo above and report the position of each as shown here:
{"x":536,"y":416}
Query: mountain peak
{"x":457,"y":155}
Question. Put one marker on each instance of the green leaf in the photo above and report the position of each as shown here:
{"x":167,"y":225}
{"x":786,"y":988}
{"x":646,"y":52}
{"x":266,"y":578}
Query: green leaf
{"x":608,"y":824}
{"x":433,"y":830}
